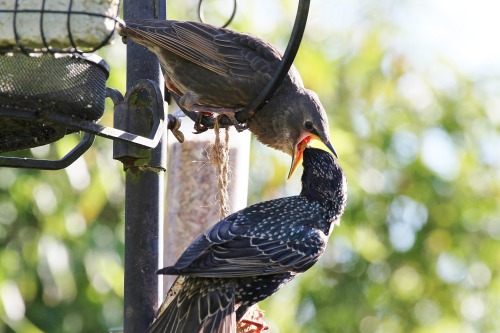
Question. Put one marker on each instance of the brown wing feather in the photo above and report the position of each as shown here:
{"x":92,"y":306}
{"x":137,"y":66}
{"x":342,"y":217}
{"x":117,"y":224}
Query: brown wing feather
{"x":221,"y":51}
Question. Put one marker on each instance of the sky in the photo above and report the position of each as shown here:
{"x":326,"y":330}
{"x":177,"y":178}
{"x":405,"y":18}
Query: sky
{"x":463,"y":32}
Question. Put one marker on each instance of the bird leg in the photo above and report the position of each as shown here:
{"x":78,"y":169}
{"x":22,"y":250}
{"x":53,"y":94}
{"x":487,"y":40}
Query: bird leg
{"x":230,"y":113}
{"x":252,"y":326}
{"x":174,"y":123}
{"x":188,"y":102}
{"x":252,"y":320}
{"x":198,"y":126}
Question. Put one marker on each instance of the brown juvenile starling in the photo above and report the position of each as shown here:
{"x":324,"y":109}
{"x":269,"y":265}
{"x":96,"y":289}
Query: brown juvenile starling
{"x":218,"y":70}
{"x":252,"y":253}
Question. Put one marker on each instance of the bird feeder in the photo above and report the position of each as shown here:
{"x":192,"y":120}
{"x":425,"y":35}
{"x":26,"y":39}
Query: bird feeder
{"x":50,"y":85}
{"x":34,"y":89}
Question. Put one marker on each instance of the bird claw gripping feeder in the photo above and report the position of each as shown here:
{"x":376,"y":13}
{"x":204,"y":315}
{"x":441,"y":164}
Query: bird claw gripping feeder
{"x":51,"y":86}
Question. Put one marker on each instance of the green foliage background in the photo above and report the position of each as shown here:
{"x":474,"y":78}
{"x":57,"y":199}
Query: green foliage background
{"x":418,"y":247}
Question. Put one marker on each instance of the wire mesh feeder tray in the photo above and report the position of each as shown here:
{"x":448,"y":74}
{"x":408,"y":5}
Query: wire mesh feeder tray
{"x":35,"y":90}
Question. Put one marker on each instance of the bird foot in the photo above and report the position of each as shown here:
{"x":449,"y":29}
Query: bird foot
{"x":251,"y":326}
{"x":231,"y":115}
{"x":188,"y":103}
{"x":252,"y":321}
{"x":228,"y":112}
{"x":198,"y":126}
{"x":174,"y":123}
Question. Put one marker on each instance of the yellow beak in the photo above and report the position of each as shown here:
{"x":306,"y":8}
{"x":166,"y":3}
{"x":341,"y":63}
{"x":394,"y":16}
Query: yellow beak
{"x":296,"y":160}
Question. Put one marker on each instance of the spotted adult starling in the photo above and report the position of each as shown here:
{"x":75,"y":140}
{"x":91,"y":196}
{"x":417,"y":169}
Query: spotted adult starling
{"x":221,"y":71}
{"x":252,"y":253}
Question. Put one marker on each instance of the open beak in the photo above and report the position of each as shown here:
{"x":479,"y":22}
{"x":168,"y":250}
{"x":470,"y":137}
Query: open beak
{"x":299,"y":150}
{"x":329,"y":146}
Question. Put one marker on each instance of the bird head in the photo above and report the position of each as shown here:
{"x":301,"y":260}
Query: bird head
{"x":323,"y":179}
{"x":311,"y":124}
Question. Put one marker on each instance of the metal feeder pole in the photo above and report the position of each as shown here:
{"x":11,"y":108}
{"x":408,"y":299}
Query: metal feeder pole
{"x":144,"y":196}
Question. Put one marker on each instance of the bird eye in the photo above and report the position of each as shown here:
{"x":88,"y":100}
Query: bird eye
{"x":308,"y":125}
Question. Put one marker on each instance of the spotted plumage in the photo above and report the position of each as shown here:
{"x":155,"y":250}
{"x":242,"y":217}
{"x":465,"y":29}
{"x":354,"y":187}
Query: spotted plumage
{"x":252,"y":253}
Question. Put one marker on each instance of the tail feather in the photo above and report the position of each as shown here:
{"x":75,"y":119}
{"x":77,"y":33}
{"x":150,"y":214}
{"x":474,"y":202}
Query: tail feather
{"x":222,"y":322}
{"x":201,"y":306}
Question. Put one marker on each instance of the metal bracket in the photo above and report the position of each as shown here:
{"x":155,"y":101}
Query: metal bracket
{"x":31,"y":163}
{"x":140,"y":111}
{"x":144,"y":97}
{"x":154,"y":128}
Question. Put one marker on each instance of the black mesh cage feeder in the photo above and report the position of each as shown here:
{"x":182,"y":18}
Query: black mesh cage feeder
{"x":52,"y":85}
{"x":34,"y":88}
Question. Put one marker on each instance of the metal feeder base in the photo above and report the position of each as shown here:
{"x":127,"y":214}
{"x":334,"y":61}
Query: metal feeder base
{"x":31,"y":87}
